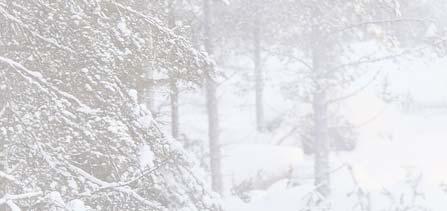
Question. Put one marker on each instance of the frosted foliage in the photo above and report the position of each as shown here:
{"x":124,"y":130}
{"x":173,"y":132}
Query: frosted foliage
{"x":74,"y":135}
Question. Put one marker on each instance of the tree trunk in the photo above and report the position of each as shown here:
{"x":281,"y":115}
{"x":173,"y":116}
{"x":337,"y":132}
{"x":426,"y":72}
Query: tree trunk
{"x":259,"y":80}
{"x":212,"y":108}
{"x":213,"y":135}
{"x":322,"y":177}
{"x":319,"y":106}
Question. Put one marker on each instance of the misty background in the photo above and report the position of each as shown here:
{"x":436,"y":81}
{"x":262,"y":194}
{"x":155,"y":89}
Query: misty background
{"x":223,"y":105}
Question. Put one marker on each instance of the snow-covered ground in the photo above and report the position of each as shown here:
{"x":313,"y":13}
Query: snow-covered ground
{"x":396,"y":140}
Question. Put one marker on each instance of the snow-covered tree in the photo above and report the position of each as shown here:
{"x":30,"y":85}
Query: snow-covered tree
{"x":74,"y":134}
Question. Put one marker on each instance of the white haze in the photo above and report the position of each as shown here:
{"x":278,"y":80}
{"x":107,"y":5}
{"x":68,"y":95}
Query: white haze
{"x":223,"y":105}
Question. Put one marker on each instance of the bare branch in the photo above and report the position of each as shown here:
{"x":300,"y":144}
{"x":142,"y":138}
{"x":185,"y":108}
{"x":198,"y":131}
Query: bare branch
{"x":367,"y":60}
{"x":291,"y":57}
{"x":288,"y":134}
{"x":379,"y":22}
{"x":355,"y":92}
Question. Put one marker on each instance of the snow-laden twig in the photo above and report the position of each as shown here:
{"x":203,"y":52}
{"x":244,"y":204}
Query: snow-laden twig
{"x":156,"y":24}
{"x":53,"y":162}
{"x":3,"y":11}
{"x":126,"y":183}
{"x":10,"y":178}
{"x":10,"y":197}
{"x":114,"y":186}
{"x":13,"y":206}
{"x":36,"y":78}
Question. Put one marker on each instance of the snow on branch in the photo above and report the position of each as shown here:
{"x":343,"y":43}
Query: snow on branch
{"x":10,"y":178}
{"x":184,"y":44}
{"x":3,"y":11}
{"x":114,"y":186}
{"x":8,"y":197}
{"x":36,"y":78}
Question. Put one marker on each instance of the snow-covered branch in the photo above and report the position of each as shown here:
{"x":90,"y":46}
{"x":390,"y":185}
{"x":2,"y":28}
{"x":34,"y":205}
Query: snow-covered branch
{"x":4,"y":12}
{"x":10,"y":178}
{"x":179,"y":40}
{"x":36,"y":78}
{"x":9,"y":197}
{"x":114,"y":186}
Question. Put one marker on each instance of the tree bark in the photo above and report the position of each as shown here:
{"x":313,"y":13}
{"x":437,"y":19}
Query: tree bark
{"x":212,"y":108}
